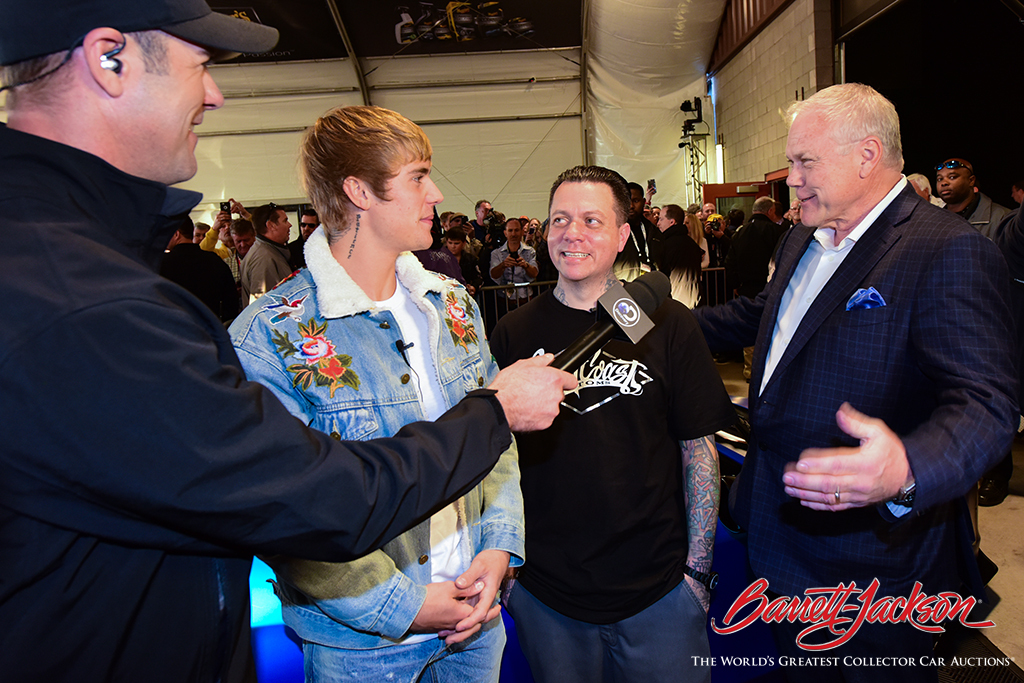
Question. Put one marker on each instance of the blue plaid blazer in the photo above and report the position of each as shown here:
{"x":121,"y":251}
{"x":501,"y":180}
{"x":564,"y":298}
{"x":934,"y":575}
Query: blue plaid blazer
{"x":935,"y":363}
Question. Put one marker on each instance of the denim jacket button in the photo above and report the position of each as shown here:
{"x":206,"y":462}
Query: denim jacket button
{"x":423,"y":559}
{"x":385,"y":326}
{"x":405,"y":378}
{"x":479,"y":381}
{"x":336,"y":435}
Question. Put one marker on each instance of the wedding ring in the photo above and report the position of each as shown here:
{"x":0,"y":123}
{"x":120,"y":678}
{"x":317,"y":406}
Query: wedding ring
{"x":837,"y":495}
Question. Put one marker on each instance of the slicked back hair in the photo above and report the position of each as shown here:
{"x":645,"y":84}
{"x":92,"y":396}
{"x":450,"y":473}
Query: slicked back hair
{"x":601,"y":176}
{"x":852,"y":112}
{"x":674,"y":212}
{"x":261,"y":215}
{"x":762,"y":205}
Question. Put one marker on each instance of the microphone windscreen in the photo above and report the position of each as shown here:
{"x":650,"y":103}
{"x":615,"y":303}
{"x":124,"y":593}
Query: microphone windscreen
{"x":650,"y":290}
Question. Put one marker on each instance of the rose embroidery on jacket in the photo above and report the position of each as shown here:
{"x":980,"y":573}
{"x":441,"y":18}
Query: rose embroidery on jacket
{"x":316,"y":348}
{"x":321,"y":364}
{"x":461,"y":327}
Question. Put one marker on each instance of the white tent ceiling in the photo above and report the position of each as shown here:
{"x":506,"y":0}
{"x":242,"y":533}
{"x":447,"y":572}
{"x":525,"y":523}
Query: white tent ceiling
{"x":503,"y":124}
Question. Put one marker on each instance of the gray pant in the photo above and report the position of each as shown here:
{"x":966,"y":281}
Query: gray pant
{"x":660,"y":643}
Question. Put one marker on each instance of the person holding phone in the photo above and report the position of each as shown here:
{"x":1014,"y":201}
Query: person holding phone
{"x":514,"y":263}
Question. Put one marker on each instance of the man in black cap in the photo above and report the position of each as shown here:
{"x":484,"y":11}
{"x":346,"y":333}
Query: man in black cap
{"x":126,"y":525}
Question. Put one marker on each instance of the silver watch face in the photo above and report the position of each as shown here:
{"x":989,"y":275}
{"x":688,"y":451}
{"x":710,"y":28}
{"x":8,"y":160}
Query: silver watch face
{"x":906,"y":495}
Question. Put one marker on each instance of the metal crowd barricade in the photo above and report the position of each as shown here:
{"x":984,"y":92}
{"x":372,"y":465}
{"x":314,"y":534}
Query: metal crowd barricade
{"x":494,"y":300}
{"x":712,"y":287}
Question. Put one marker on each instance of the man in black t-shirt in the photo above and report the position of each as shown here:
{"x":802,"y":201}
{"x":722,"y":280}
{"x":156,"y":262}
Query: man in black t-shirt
{"x":621,"y":492}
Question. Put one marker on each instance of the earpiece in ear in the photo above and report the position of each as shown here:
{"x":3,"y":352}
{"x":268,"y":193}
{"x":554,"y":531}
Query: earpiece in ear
{"x":108,"y":60}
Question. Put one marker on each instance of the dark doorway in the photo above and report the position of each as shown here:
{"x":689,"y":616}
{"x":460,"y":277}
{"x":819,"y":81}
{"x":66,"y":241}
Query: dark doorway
{"x":954,"y":69}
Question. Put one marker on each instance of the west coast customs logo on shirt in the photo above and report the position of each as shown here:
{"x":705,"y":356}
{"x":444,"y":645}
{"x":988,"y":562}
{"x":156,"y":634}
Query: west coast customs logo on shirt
{"x":603,"y":378}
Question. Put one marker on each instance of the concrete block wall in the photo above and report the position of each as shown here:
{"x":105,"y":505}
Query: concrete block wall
{"x":790,"y":56}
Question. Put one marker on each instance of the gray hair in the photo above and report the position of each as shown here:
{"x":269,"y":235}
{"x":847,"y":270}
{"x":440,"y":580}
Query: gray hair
{"x":852,"y":112}
{"x":762,"y":205}
{"x":921,"y":181}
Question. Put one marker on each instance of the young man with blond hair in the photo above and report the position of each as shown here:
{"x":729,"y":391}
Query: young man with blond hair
{"x":359,"y":344}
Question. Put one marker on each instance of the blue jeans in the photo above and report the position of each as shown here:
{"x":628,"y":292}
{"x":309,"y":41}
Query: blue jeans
{"x":658,"y":644}
{"x":477,"y":659}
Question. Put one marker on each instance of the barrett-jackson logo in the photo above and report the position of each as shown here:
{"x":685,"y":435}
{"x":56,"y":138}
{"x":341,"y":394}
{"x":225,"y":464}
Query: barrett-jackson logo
{"x":833,"y":609}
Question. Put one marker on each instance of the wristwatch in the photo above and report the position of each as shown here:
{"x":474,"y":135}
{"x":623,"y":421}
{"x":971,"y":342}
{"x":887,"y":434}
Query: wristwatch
{"x":905,"y":497}
{"x":709,"y":579}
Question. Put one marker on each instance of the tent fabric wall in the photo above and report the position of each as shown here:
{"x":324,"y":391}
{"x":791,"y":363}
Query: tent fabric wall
{"x":503,"y":124}
{"x":644,"y":58}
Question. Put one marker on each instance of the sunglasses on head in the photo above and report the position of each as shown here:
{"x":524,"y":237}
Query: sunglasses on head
{"x":953,"y":163}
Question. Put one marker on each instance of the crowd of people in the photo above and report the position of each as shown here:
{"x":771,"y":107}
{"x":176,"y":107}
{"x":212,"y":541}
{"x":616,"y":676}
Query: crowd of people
{"x":405,"y":470}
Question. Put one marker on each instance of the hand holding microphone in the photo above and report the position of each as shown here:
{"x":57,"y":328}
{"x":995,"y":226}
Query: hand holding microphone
{"x":647,"y":292}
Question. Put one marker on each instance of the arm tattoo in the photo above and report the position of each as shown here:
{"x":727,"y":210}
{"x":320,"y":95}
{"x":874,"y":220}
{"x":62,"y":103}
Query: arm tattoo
{"x":701,"y":486}
{"x":354,"y":236}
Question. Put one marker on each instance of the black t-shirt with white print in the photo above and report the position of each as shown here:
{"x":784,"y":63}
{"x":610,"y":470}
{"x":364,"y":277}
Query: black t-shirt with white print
{"x":606,"y":528}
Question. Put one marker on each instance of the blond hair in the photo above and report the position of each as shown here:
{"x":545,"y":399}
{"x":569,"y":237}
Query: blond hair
{"x":368,"y":143}
{"x":693,"y":228}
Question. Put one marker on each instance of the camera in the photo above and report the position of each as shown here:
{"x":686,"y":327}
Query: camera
{"x":494,"y":223}
{"x":225,"y":206}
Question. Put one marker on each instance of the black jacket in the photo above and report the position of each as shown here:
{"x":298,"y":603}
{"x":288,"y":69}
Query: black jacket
{"x":204,"y":274}
{"x":752,"y":248}
{"x":139,"y":470}
{"x":640,"y":250}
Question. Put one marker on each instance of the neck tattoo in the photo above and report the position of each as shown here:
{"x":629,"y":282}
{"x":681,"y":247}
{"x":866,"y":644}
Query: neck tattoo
{"x":559,"y":292}
{"x":353,"y":245}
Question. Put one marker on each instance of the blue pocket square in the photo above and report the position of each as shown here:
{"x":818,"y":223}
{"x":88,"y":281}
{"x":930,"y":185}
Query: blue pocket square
{"x":865,"y":298}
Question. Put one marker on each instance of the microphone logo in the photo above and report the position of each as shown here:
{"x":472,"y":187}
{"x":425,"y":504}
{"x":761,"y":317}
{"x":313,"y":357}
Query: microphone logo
{"x":626,"y":312}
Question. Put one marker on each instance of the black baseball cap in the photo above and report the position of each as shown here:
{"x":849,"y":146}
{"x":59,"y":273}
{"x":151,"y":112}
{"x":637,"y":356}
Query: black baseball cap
{"x":34,"y":28}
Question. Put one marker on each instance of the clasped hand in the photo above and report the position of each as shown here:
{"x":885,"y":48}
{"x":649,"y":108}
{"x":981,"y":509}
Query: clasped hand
{"x":455,"y":610}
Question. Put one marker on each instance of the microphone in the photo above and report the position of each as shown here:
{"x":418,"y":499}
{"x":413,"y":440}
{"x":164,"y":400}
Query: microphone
{"x":402,"y":346}
{"x":648,"y":292}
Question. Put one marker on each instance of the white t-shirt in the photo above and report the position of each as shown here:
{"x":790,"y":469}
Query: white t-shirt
{"x":445,"y":564}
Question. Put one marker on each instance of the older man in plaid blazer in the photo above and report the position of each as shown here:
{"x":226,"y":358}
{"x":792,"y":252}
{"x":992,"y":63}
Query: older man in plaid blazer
{"x":883,"y":384}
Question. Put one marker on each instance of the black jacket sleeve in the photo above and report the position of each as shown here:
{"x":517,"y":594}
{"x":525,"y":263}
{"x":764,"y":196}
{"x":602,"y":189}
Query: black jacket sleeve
{"x":133,"y":422}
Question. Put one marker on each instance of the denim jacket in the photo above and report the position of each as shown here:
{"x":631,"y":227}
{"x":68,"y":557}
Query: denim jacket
{"x":325,"y":349}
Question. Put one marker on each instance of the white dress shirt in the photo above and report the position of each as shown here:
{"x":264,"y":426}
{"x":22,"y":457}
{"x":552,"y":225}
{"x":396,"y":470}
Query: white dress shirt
{"x":821,"y":260}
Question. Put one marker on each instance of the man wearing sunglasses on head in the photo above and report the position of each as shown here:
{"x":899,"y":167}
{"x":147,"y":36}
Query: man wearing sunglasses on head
{"x":308,"y":222}
{"x":955,"y":183}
